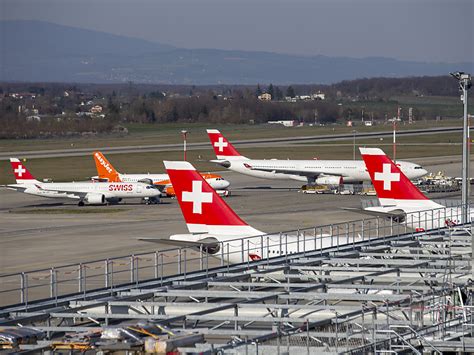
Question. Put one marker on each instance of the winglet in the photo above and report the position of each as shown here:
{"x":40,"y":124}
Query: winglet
{"x":105,"y":170}
{"x":203,"y":209}
{"x":22,"y":174}
{"x":222,"y":147}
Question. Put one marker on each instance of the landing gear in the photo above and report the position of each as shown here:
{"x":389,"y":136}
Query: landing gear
{"x":151,"y":200}
{"x":81,"y":203}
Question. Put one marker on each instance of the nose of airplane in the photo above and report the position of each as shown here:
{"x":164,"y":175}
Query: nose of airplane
{"x":422,"y":172}
{"x":225,"y":184}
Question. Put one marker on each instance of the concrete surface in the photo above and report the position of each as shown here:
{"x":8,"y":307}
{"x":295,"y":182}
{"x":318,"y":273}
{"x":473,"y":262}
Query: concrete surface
{"x":31,"y":241}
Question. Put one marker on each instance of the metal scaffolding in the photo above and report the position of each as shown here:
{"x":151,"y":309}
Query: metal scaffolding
{"x":386,"y":289}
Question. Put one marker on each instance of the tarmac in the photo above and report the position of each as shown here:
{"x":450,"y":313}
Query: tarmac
{"x":30,"y":241}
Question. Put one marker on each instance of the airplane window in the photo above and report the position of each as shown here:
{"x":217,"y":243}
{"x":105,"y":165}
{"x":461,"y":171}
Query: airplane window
{"x":418,"y":167}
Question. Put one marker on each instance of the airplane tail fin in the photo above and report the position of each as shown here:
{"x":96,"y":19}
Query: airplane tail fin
{"x":22,"y":174}
{"x":222,"y":147}
{"x":392,"y":186}
{"x":105,"y":170}
{"x":203,"y":209}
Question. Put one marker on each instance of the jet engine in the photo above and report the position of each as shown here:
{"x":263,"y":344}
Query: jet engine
{"x":223,"y":163}
{"x":95,"y":198}
{"x":398,"y":215}
{"x":210,"y":245}
{"x":329,"y":180}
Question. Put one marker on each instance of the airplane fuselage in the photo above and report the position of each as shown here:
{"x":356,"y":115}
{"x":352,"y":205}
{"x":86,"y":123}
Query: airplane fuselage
{"x":74,"y":190}
{"x":245,"y":249}
{"x":350,"y":170}
{"x":216,"y":182}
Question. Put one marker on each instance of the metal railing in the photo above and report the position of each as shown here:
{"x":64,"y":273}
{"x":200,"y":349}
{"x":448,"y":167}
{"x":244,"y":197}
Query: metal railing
{"x":112,"y":273}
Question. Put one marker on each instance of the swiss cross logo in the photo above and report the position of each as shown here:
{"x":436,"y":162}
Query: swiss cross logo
{"x":20,"y":170}
{"x":387,"y":177}
{"x":197,"y":197}
{"x":221,"y":144}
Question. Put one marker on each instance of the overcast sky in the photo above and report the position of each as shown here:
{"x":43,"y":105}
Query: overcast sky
{"x":422,"y":30}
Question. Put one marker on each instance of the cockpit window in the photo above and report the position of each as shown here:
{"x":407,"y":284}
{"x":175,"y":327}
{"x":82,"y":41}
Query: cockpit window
{"x":418,"y":167}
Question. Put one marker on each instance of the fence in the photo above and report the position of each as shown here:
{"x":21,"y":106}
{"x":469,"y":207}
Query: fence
{"x":111,"y":274}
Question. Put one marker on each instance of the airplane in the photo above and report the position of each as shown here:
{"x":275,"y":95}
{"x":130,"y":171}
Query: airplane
{"x":400,"y":199}
{"x":85,"y":192}
{"x":313,"y":172}
{"x":216,"y":229}
{"x":106,"y":172}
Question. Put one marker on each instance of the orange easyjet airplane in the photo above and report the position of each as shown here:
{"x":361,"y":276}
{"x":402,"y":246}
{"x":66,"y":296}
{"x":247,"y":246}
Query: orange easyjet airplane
{"x":106,"y":172}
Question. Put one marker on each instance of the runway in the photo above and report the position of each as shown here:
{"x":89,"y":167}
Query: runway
{"x":41,"y":240}
{"x":74,"y":152}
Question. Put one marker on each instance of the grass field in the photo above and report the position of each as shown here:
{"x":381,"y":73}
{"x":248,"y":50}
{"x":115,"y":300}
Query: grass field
{"x":82,"y":168}
{"x":432,"y":106}
{"x":151,"y":134}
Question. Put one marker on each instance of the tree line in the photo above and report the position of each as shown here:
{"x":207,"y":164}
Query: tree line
{"x":60,"y":105}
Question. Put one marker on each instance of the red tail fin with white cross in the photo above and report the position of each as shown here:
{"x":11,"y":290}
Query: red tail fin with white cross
{"x":22,"y":174}
{"x":393,"y":188}
{"x":203,"y":209}
{"x":222,"y":147}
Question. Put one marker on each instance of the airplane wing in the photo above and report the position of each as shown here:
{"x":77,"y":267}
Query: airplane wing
{"x":60,"y":193}
{"x":396,"y":215}
{"x":15,"y":187}
{"x":205,"y":243}
{"x":161,"y":187}
{"x":289,"y":171}
{"x":70,"y":193}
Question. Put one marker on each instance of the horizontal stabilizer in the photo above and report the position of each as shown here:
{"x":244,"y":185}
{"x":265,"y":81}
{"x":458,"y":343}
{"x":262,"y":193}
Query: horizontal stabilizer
{"x":205,"y":243}
{"x":396,"y":214}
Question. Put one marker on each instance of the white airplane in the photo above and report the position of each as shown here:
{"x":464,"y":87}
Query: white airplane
{"x":85,"y":192}
{"x":106,"y":172}
{"x":400,"y":199}
{"x":216,"y":229}
{"x":320,"y":172}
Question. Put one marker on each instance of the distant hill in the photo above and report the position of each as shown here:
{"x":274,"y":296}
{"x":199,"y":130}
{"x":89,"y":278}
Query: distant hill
{"x":41,"y":51}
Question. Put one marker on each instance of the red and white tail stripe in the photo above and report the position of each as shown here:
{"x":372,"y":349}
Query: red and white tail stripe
{"x":222,"y":147}
{"x":22,"y":174}
{"x":203,"y":209}
{"x":392,"y":186}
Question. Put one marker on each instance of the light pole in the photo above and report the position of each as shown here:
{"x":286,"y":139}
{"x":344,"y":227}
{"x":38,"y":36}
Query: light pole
{"x":354,"y":144}
{"x":394,"y":141}
{"x":464,"y":80}
{"x":184,"y":133}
